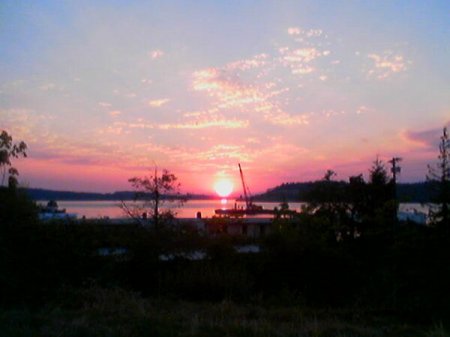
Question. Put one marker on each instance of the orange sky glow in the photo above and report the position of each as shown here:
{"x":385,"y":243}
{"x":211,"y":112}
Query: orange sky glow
{"x":288,"y":89}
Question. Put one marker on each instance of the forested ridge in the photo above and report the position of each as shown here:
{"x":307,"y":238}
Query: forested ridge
{"x":298,"y":191}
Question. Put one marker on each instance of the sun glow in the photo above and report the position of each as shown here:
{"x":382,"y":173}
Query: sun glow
{"x":223,"y":187}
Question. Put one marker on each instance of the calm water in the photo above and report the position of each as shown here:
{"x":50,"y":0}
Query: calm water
{"x":111,"y":209}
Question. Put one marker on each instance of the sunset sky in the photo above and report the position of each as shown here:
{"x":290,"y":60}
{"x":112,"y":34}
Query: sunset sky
{"x":103,"y":90}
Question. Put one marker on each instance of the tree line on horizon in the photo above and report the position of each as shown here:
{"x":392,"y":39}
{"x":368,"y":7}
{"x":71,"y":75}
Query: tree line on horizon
{"x":419,"y":192}
{"x":291,"y":192}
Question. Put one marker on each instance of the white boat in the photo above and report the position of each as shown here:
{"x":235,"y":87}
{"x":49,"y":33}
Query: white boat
{"x":53,"y":212}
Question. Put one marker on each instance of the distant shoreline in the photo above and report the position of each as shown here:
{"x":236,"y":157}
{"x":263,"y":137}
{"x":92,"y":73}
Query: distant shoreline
{"x":291,"y":192}
{"x":39,"y":194}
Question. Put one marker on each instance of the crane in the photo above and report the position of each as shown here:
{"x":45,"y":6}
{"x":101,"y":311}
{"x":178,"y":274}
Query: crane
{"x":247,"y":196}
{"x":245,"y":189}
{"x":250,"y":207}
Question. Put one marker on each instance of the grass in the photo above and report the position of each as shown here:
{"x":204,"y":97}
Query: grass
{"x":98,"y":312}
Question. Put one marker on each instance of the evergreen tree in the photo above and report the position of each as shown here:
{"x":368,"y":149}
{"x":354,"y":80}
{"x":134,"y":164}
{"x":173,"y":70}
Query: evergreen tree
{"x":327,"y":199}
{"x":378,"y":206}
{"x":358,"y":196}
{"x":439,"y":179}
{"x":380,"y":191}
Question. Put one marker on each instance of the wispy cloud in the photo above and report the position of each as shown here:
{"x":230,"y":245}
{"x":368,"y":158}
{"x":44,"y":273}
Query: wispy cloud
{"x":281,"y":152}
{"x":363,"y":109}
{"x":113,"y":130}
{"x":307,"y":33}
{"x":104,"y":104}
{"x":254,"y":85}
{"x":256,"y":61}
{"x":25,"y":123}
{"x":260,"y":99}
{"x":202,"y":123}
{"x":224,"y":153}
{"x":386,"y":64}
{"x":285,"y":119}
{"x":229,"y":91}
{"x":157,"y":103}
{"x":115,"y":113}
{"x":156,"y":54}
{"x":45,"y":144}
{"x":294,"y":31}
{"x":300,"y":60}
{"x":226,"y":124}
{"x":332,"y":113}
{"x":427,"y":139}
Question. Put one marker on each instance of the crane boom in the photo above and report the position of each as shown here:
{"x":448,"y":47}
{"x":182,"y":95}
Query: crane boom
{"x":244,"y":187}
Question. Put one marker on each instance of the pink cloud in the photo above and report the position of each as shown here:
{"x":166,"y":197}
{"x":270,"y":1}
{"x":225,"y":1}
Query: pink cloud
{"x":299,"y":60}
{"x":200,"y":122}
{"x":156,"y":54}
{"x":427,"y":139}
{"x":285,"y":119}
{"x":115,"y":113}
{"x":226,"y":124}
{"x":386,"y":65}
{"x":257,"y":61}
{"x":363,"y":109}
{"x":104,"y":104}
{"x":294,"y":31}
{"x":303,"y":35}
{"x":157,"y":103}
{"x":226,"y":88}
{"x":229,"y":91}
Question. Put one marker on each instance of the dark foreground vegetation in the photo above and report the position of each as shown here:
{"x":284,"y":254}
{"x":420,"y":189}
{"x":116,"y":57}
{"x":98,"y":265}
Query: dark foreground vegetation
{"x":114,"y":312}
{"x":55,"y":279}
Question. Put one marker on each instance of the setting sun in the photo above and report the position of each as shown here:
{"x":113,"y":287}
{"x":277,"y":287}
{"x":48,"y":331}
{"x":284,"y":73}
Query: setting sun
{"x":223,"y":187}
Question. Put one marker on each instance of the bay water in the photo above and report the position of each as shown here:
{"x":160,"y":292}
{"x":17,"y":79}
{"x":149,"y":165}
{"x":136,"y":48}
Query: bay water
{"x":111,"y":208}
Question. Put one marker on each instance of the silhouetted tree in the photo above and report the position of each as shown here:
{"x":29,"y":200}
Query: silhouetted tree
{"x":439,"y":177}
{"x":381,"y":204}
{"x":357,"y":195}
{"x":329,"y":174}
{"x":158,"y":194}
{"x":378,"y":173}
{"x":18,"y":219}
{"x":328,"y":199}
{"x":9,"y":150}
{"x":380,"y":192}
